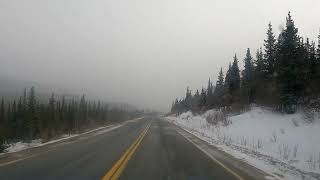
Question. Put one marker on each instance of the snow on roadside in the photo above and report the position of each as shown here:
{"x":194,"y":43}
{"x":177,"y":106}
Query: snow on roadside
{"x":262,"y":138}
{"x":19,"y":146}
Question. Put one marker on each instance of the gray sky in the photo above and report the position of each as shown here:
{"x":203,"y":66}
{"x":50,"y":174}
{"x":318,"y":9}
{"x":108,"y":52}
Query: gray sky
{"x":144,"y":52}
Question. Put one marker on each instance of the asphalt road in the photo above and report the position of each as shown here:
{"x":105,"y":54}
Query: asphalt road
{"x":149,"y":149}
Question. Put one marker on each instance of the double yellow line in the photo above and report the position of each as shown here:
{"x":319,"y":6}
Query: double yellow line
{"x":116,"y":170}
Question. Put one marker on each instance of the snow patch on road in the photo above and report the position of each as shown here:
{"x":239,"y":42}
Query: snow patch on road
{"x":286,"y":146}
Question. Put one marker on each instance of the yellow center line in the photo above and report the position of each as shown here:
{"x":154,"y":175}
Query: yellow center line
{"x":118,"y":167}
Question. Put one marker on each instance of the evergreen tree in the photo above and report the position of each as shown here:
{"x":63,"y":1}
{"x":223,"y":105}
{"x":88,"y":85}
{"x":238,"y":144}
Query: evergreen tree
{"x":288,"y":66}
{"x":260,"y":65}
{"x":248,"y":69}
{"x":2,"y":110}
{"x":312,"y":61}
{"x":203,"y":98}
{"x":219,"y":91}
{"x":287,"y":73}
{"x":270,"y":52}
{"x":209,"y":93}
{"x":220,"y":81}
{"x":25,"y":100}
{"x":197,"y":94}
{"x":2,"y":127}
{"x":21,"y":121}
{"x":13,"y":120}
{"x":83,"y":110}
{"x":234,"y":75}
{"x":188,"y":99}
{"x":52,"y":115}
{"x":209,"y":88}
{"x":20,"y":130}
{"x":247,"y":78}
{"x":195,"y":101}
{"x":318,"y":49}
{"x":2,"y":121}
{"x":33,"y":126}
{"x":62,"y":113}
{"x":227,"y":81}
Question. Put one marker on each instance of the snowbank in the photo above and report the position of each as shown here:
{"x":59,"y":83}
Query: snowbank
{"x":286,"y":140}
{"x":19,"y":146}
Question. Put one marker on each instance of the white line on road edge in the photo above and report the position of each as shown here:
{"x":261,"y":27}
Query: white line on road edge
{"x":213,"y":158}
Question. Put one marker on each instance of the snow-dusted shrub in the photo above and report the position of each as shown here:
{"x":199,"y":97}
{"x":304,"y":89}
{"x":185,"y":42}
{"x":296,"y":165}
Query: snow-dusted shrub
{"x":274,"y":137}
{"x":284,"y":151}
{"x":311,"y":114}
{"x":312,"y":110}
{"x":295,"y":151}
{"x":2,"y":146}
{"x":243,"y":141}
{"x":186,"y":115}
{"x":215,"y":116}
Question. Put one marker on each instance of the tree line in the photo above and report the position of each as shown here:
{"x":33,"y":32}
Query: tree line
{"x":28,"y":118}
{"x":284,"y":74}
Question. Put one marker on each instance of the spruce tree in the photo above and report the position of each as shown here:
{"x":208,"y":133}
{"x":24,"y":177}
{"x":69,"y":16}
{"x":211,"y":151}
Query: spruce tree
{"x":195,"y":100}
{"x":313,"y":62}
{"x":52,"y":114}
{"x":288,"y":66}
{"x":83,"y":111}
{"x":220,"y":81}
{"x":248,"y":69}
{"x":209,"y":88}
{"x":203,"y":98}
{"x":227,"y":81}
{"x":209,"y":93}
{"x":2,"y":112}
{"x":13,"y":120}
{"x":32,"y":115}
{"x":318,"y":49}
{"x":25,"y":100}
{"x":219,"y":90}
{"x":270,"y":52}
{"x":20,"y":119}
{"x":2,"y":128}
{"x":248,"y":75}
{"x":260,"y":66}
{"x":235,"y":75}
{"x":197,"y":94}
{"x":188,"y":99}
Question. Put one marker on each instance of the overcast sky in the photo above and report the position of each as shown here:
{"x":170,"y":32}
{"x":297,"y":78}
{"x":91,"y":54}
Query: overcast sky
{"x":144,"y":52}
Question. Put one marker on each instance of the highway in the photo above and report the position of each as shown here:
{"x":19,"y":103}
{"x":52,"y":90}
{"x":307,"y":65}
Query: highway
{"x":149,"y":148}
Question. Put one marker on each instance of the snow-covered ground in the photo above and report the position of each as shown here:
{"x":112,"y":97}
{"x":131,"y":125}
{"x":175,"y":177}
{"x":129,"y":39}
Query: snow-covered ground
{"x":19,"y":146}
{"x":280,"y":144}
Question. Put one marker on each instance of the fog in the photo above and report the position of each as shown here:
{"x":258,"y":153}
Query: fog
{"x":143,"y":52}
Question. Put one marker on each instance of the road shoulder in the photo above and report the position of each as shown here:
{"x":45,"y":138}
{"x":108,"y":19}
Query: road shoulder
{"x":235,"y":165}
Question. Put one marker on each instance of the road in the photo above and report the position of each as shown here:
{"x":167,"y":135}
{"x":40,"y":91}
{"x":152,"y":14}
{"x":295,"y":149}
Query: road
{"x":149,"y":149}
